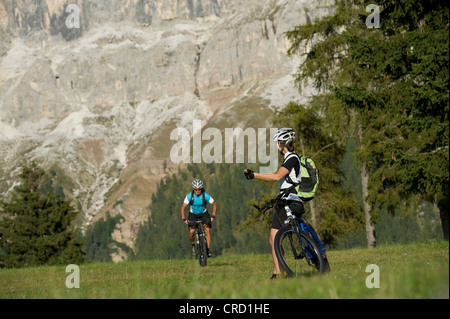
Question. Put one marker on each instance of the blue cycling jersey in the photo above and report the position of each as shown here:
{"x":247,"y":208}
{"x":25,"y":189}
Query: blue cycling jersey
{"x":197,"y":206}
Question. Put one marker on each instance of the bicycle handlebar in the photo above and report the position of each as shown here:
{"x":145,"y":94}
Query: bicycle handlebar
{"x":274,"y":200}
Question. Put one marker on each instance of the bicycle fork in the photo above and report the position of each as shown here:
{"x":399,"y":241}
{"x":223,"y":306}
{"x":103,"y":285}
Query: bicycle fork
{"x":200,"y":237}
{"x":291,"y":220}
{"x":306,"y":250}
{"x":197,"y":244}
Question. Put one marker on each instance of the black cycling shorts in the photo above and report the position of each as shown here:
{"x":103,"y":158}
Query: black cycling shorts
{"x":204,"y":217}
{"x":279,"y":216}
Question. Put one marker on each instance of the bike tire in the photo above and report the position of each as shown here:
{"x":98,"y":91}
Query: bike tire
{"x":203,"y":256}
{"x":297,"y":253}
{"x":326,"y":265}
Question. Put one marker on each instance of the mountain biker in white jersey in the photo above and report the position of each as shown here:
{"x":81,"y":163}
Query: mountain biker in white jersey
{"x":197,"y":200}
{"x":288,"y":175}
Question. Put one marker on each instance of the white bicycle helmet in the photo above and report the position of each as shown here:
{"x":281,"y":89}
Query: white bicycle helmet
{"x":197,"y":184}
{"x":285,"y":135}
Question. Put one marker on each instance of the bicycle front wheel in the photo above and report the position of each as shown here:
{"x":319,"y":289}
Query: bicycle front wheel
{"x":297,"y":253}
{"x":203,"y":256}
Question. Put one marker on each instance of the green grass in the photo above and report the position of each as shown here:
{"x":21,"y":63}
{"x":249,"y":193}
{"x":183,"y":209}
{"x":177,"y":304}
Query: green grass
{"x":419,"y":270}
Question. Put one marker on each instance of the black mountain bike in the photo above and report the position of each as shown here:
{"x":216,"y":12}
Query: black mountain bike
{"x":201,"y":248}
{"x":298,"y":248}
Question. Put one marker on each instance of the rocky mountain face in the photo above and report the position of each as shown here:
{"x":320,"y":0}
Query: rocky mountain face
{"x":91,"y":90}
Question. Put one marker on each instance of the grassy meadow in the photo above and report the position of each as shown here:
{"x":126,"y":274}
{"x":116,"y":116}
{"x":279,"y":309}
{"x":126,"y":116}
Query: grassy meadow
{"x":418,"y":270}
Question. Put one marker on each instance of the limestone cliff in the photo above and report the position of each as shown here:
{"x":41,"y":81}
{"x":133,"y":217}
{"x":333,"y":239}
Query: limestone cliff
{"x":95,"y":102}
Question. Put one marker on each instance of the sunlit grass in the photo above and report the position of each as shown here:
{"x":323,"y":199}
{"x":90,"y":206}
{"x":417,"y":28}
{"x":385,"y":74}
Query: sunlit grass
{"x":406,"y":271}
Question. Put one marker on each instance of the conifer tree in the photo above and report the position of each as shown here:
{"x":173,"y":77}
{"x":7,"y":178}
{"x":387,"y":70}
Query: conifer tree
{"x":394,"y":79}
{"x":36,"y":225}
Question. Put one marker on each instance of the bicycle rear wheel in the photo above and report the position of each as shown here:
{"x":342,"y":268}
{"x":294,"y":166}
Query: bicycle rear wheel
{"x":297,"y":253}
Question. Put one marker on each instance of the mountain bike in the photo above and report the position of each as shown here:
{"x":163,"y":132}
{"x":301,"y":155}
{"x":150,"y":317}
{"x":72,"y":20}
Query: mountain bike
{"x":201,"y":248}
{"x":298,"y":248}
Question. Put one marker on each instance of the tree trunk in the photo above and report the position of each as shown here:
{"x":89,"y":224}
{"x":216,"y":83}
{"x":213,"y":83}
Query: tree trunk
{"x":370,"y":228}
{"x":443,"y":213}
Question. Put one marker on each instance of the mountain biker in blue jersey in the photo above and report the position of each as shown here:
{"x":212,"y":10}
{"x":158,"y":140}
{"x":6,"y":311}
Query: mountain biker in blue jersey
{"x":287,"y":175}
{"x":197,"y":200}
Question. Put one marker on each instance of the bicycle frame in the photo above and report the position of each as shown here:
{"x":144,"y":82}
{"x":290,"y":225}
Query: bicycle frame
{"x":307,"y":229}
